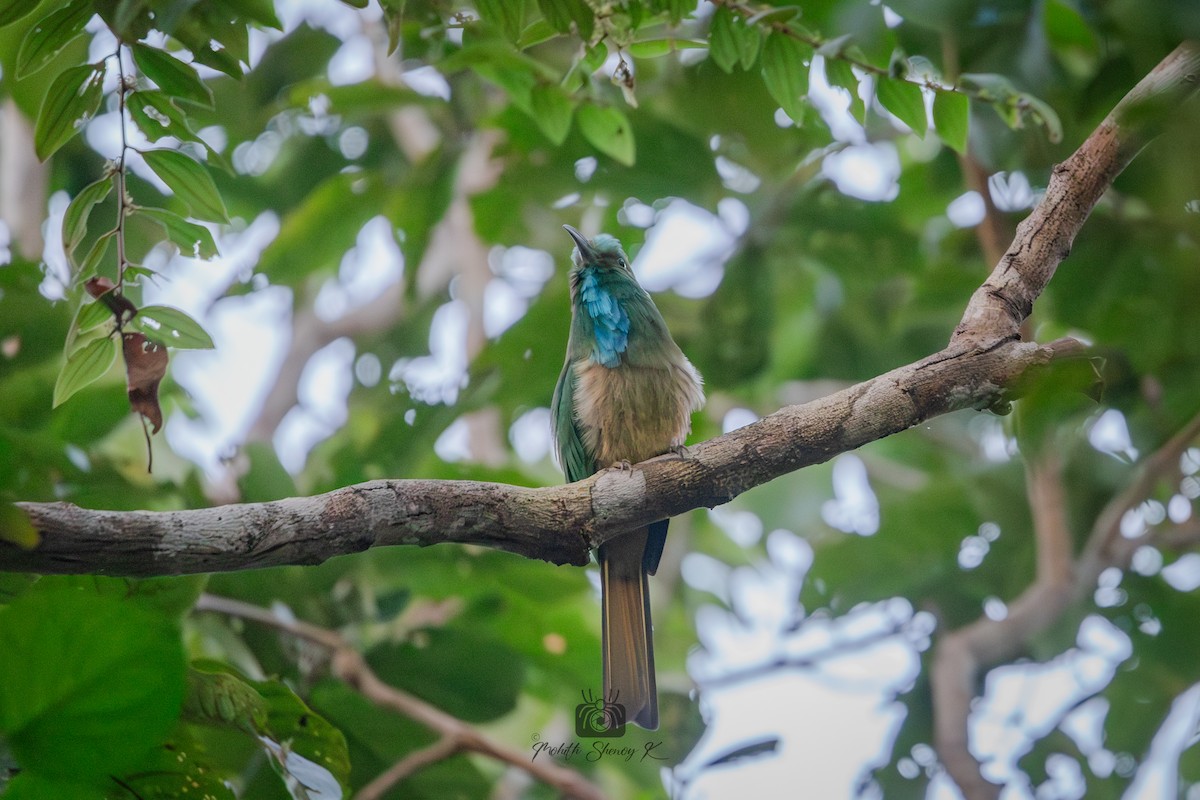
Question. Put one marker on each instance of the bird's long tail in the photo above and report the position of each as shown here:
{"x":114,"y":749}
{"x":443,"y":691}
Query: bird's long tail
{"x":628,"y":646}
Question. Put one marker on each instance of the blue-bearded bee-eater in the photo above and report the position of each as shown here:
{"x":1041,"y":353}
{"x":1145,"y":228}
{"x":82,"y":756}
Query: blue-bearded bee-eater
{"x":626,"y":393}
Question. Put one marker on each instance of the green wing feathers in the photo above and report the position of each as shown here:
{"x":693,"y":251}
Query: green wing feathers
{"x":572,"y":456}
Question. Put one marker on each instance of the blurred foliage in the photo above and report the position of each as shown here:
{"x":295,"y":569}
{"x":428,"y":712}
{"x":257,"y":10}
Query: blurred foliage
{"x":617,"y":113}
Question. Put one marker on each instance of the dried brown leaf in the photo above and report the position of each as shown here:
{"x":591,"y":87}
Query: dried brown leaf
{"x":145,"y":366}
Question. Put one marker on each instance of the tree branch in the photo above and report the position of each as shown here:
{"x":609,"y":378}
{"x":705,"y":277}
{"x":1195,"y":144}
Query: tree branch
{"x":962,"y":654}
{"x":1044,"y":238}
{"x":557,"y":524}
{"x":982,"y":363}
{"x":412,"y":763}
{"x":454,"y":734}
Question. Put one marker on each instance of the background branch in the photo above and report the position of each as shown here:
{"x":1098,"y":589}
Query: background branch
{"x":962,"y":655}
{"x":454,"y":735}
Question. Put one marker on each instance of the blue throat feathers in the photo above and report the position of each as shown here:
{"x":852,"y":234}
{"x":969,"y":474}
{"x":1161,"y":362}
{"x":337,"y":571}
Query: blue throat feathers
{"x":610,"y":322}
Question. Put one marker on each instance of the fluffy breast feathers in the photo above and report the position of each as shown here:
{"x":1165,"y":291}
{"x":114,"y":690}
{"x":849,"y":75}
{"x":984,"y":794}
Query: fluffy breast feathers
{"x":632,"y":413}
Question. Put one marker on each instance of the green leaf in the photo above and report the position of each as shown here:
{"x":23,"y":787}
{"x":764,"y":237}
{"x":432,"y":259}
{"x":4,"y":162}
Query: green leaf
{"x":594,"y":57}
{"x":84,"y":366}
{"x":839,"y":73}
{"x":1044,"y":115}
{"x":657,"y":48}
{"x":465,"y":672}
{"x":291,"y":723}
{"x":904,"y":99}
{"x":608,"y":131}
{"x":92,"y":315}
{"x":31,"y":786}
{"x":95,"y":255}
{"x":75,"y":220}
{"x":552,"y":112}
{"x":13,"y":10}
{"x":750,"y":44}
{"x":225,"y":23}
{"x":771,"y":15}
{"x":194,"y":241}
{"x":785,"y":73}
{"x":108,"y":680}
{"x":157,"y":116}
{"x":561,"y":13}
{"x":674,"y":9}
{"x":89,"y":315}
{"x":723,"y":43}
{"x":16,"y":529}
{"x":393,"y":19}
{"x":836,"y":47}
{"x":989,"y":86}
{"x":198,"y":37}
{"x":190,"y":182}
{"x":131,"y":18}
{"x":217,"y":696}
{"x":172,"y":327}
{"x":266,"y":479}
{"x":181,"y":767}
{"x":174,"y":77}
{"x":731,"y":41}
{"x":323,"y":227}
{"x":70,"y":102}
{"x":260,"y":11}
{"x":1068,"y":31}
{"x":173,"y":596}
{"x":535,"y":33}
{"x":950,"y":118}
{"x":506,"y":15}
{"x":50,"y":35}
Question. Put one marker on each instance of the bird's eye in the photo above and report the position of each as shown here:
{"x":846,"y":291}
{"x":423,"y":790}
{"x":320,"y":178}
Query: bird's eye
{"x":621,"y":263}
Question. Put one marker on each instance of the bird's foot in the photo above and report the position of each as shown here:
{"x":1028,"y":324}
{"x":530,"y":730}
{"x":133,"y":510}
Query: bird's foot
{"x":681,"y":451}
{"x":622,"y":465}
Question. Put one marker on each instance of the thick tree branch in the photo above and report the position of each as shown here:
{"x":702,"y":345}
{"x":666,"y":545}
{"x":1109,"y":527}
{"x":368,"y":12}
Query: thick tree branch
{"x":984,"y":360}
{"x":558,"y":524}
{"x":454,"y":734}
{"x":1044,"y":238}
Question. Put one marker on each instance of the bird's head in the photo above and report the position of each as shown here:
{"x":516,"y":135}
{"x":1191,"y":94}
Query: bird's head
{"x":604,"y":251}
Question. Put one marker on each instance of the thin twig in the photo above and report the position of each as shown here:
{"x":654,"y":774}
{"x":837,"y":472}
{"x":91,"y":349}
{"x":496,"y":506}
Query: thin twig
{"x":991,"y":232}
{"x":122,"y":200}
{"x":455,"y":735}
{"x":412,"y":763}
{"x":1106,"y":546}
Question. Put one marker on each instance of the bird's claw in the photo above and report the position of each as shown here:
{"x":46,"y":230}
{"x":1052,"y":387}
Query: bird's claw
{"x":681,"y":451}
{"x":622,"y":465}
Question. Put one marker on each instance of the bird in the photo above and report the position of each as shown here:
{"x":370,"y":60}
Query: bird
{"x":626,"y":393}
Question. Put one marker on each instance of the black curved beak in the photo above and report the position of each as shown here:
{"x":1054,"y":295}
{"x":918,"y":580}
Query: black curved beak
{"x":585,"y":247}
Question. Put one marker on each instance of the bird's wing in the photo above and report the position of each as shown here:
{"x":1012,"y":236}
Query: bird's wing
{"x":572,"y":455}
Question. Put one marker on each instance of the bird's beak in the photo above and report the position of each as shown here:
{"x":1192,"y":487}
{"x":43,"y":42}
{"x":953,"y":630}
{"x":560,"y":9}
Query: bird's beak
{"x":585,"y":247}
